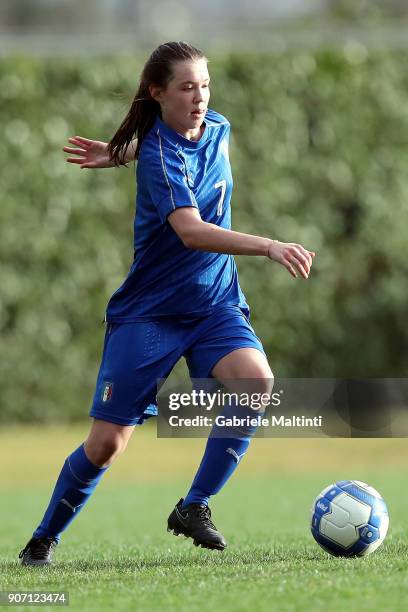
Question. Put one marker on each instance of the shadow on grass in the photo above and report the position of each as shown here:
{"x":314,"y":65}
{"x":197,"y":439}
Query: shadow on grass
{"x":136,"y":559}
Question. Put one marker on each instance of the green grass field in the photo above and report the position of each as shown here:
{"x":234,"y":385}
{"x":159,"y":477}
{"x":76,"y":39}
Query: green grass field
{"x":117,"y":555}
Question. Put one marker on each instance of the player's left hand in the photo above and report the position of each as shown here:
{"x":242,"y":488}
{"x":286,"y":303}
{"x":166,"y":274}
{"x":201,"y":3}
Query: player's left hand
{"x":294,"y":257}
{"x":89,"y":153}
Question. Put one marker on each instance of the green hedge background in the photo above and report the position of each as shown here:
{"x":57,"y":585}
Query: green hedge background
{"x":319,"y":156}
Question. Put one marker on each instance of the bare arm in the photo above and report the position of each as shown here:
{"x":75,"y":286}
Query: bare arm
{"x":202,"y":236}
{"x":131,"y":151}
{"x":94,"y":153}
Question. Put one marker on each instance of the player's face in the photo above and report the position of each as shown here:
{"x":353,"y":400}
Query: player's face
{"x":185,"y":100}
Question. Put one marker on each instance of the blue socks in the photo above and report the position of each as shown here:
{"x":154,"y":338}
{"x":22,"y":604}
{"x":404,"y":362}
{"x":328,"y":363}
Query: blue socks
{"x":79,"y":477}
{"x":75,"y":485}
{"x":221,"y":457}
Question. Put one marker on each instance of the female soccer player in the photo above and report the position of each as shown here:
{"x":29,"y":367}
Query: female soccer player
{"x":181,"y":296}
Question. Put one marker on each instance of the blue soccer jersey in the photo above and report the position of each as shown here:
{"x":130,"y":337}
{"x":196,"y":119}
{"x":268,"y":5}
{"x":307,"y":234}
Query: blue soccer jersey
{"x":166,"y":278}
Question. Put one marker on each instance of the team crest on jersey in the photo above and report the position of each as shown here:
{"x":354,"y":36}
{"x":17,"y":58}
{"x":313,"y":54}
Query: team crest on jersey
{"x":107,"y":391}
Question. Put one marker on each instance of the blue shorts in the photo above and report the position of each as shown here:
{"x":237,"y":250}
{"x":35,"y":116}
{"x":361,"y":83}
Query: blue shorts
{"x":136,"y":355}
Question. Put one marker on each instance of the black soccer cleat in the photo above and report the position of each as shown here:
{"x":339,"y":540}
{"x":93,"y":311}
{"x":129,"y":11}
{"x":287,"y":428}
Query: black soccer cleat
{"x":195,"y":522}
{"x":38,"y":551}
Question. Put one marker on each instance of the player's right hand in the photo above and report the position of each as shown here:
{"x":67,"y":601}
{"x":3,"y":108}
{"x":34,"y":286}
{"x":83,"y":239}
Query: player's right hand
{"x":89,"y":153}
{"x":294,"y":257}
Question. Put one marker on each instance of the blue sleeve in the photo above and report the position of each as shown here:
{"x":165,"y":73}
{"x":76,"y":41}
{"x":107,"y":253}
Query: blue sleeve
{"x":166,"y":181}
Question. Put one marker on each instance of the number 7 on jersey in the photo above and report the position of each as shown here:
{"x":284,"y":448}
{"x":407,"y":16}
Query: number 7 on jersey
{"x":223,"y":185}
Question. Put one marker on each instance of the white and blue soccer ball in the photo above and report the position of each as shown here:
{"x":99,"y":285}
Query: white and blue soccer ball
{"x":349,"y":518}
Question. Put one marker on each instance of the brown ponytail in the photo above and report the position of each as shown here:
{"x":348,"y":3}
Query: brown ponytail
{"x":144,"y":109}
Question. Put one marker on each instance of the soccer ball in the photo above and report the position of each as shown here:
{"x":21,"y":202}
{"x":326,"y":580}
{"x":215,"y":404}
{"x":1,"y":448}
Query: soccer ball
{"x":349,"y":518}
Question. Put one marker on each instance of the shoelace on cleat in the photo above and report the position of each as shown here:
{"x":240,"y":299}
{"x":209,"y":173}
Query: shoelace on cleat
{"x":204,"y":513}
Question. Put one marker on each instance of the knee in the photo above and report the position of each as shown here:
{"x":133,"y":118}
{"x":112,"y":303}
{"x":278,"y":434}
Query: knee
{"x":103,"y":450}
{"x":263,"y":379}
{"x":261,"y":388}
{"x":267,"y":382}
